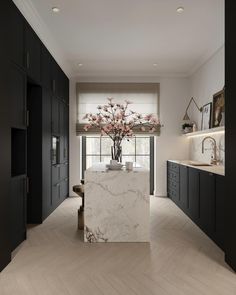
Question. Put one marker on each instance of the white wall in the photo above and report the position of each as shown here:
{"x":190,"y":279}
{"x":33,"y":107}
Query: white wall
{"x":207,"y":80}
{"x":174,"y":95}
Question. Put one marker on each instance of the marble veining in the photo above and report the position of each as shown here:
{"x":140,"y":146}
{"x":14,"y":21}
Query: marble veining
{"x":116,"y":206}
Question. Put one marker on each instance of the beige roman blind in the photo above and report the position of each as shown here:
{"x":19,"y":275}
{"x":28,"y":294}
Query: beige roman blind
{"x":144,"y":98}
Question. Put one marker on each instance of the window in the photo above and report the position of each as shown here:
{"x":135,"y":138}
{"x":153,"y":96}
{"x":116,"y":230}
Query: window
{"x":144,"y":98}
{"x":139,"y":149}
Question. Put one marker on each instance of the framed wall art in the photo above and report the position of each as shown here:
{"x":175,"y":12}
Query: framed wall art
{"x":218,"y":113}
{"x":206,"y":116}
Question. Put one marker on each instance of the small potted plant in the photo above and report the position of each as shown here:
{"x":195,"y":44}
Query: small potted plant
{"x":187,"y":127}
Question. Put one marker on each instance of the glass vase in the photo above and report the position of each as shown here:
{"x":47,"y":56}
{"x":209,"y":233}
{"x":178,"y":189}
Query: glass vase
{"x":116,"y":153}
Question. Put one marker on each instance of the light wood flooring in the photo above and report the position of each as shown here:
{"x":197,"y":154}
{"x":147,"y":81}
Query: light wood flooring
{"x":179,"y":260}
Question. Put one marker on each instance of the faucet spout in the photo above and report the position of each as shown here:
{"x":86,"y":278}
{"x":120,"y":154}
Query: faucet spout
{"x":214,"y":159}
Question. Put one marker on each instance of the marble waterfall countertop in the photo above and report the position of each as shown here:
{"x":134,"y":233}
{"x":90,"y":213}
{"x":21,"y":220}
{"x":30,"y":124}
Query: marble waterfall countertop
{"x":216,"y":169}
{"x":116,"y":205}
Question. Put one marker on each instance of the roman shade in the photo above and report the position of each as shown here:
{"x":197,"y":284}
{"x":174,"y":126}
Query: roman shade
{"x":144,"y":98}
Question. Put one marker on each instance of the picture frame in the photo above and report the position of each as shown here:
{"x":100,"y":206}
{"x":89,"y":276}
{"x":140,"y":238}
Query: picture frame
{"x":218,"y":117}
{"x":206,"y":116}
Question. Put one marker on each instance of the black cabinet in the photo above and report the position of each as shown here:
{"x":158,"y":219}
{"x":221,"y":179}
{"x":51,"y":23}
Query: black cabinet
{"x":46,"y":152}
{"x":56,"y":79}
{"x":18,"y":97}
{"x":173,"y":181}
{"x":207,"y":203}
{"x":16,"y":35}
{"x":64,"y":189}
{"x":55,"y":116}
{"x":219,"y":211}
{"x":32,"y":54}
{"x":64,"y":129}
{"x":56,"y":195}
{"x":46,"y":75}
{"x":18,"y":210}
{"x":183,"y":199}
{"x":201,"y":197}
{"x":193,"y":193}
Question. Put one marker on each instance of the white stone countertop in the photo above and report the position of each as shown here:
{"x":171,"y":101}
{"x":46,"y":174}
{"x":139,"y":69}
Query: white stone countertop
{"x":216,"y":169}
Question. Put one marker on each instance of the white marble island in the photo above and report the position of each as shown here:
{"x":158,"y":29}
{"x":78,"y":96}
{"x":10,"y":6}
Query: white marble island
{"x":116,"y":205}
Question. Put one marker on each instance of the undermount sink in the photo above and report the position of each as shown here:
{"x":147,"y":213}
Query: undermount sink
{"x":196,"y":163}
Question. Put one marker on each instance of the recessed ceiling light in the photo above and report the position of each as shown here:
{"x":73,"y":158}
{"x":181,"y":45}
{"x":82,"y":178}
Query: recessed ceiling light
{"x":155,"y":65}
{"x":80,"y":65}
{"x":180,"y":9}
{"x":55,"y":9}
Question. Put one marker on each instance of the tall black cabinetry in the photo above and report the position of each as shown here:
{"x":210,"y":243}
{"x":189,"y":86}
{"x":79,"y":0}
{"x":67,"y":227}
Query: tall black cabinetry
{"x":34,"y":98}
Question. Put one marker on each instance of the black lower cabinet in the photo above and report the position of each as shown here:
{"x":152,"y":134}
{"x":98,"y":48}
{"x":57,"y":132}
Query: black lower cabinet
{"x":183,"y":195}
{"x":220,"y":212}
{"x":207,"y":203}
{"x":201,"y":197}
{"x":193,"y":193}
{"x":18,"y":195}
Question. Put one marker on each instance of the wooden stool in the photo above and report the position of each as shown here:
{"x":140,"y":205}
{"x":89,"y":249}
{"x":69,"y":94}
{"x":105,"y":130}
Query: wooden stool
{"x":79,"y":190}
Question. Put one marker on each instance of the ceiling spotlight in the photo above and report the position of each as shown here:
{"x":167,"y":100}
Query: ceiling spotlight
{"x":180,"y":9}
{"x":80,"y":65}
{"x":155,"y":65}
{"x":55,"y":9}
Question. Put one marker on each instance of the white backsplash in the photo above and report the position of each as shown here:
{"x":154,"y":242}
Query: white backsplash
{"x":196,"y":148}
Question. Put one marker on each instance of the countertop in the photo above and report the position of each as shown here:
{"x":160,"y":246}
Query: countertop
{"x":216,"y":169}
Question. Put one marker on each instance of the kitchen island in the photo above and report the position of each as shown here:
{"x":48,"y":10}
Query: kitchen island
{"x":116,"y":205}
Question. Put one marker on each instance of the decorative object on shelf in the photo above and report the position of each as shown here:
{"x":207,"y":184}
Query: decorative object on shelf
{"x":219,"y":108}
{"x":129,"y":166}
{"x":118,"y":122}
{"x":186,"y":116}
{"x":187,"y":127}
{"x":206,"y":116}
{"x":194,"y":127}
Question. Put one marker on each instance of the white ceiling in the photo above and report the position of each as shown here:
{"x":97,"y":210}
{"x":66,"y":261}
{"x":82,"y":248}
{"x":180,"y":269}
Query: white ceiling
{"x":125,"y":37}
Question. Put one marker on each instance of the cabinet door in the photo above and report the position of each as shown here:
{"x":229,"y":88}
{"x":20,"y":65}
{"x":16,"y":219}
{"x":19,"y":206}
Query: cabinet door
{"x":46,"y":152}
{"x":64,"y":132}
{"x":193,"y":194}
{"x":18,"y":98}
{"x":55,"y":116}
{"x":55,"y":195}
{"x":55,"y":174}
{"x":183,"y":196}
{"x":46,"y":74}
{"x":63,"y":171}
{"x":220,"y":216}
{"x":18,"y":210}
{"x":207,"y":203}
{"x":16,"y":35}
{"x":64,"y":189}
{"x":55,"y":78}
{"x":32,"y":54}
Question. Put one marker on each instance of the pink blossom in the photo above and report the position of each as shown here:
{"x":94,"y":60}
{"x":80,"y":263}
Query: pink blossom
{"x":143,"y":128}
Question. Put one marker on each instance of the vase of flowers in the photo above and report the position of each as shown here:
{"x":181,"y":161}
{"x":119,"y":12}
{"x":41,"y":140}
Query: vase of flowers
{"x":118,"y":122}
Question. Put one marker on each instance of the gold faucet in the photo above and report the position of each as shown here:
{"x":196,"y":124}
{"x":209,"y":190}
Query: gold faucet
{"x":214,"y":160}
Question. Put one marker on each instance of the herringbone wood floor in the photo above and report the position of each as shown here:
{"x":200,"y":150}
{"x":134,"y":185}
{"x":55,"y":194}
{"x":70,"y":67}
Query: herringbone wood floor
{"x":179,"y":260}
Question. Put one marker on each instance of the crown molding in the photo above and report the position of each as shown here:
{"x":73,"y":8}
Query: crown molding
{"x":203,"y":60}
{"x":28,"y":10}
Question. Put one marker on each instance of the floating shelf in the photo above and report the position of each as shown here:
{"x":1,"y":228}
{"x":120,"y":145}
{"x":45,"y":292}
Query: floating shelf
{"x":220,"y":129}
